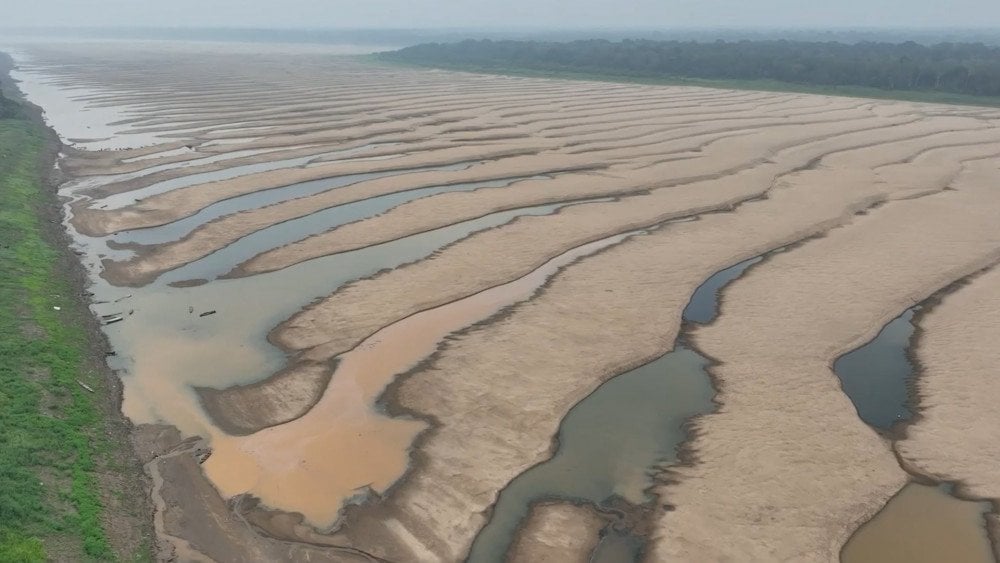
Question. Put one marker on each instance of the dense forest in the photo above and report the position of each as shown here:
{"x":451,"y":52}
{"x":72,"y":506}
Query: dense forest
{"x":955,"y":68}
{"x":8,"y":108}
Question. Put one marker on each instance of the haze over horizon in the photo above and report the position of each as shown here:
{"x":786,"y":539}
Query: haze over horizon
{"x":429,"y":14}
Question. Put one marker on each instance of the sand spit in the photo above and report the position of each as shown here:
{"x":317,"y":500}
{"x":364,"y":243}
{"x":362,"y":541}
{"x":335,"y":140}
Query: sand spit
{"x":240,"y":162}
{"x":558,"y":533}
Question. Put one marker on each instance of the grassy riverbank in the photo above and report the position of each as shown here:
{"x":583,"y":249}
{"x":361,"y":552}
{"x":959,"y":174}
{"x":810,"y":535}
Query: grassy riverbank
{"x":732,"y":84}
{"x":63,"y":466}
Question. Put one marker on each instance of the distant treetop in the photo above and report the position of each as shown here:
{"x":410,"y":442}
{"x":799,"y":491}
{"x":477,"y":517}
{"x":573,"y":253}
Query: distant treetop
{"x":956,"y":68}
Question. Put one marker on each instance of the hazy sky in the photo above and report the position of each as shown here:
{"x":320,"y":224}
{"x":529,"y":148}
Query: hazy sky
{"x":503,"y":13}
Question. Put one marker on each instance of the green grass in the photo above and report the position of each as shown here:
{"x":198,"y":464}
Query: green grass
{"x":51,"y":429}
{"x":763,"y":85}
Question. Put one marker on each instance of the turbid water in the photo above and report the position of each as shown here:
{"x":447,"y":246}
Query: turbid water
{"x":923,"y":524}
{"x":875,"y":376}
{"x":345,"y":445}
{"x":165,"y":349}
{"x":607,"y":452}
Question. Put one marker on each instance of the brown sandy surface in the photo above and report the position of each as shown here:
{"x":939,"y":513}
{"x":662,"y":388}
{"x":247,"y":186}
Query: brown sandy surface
{"x":557,"y":533}
{"x":783,"y":471}
{"x":340,"y":321}
{"x":472,"y":447}
{"x":781,"y":327}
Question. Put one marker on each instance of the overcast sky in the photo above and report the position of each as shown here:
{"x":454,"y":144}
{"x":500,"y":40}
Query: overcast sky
{"x":502,"y":13}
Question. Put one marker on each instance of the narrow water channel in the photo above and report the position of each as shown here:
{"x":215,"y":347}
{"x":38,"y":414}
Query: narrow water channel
{"x":123,"y":199}
{"x":225,"y":259}
{"x":606,"y":452}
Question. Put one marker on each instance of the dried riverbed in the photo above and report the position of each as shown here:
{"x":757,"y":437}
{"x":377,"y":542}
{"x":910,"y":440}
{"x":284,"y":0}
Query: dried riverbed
{"x":369,"y":298}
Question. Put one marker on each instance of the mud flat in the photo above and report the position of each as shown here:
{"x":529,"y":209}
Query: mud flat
{"x":426,"y":271}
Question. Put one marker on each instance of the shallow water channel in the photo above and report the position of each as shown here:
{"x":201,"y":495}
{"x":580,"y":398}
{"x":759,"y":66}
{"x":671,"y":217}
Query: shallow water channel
{"x":225,"y":259}
{"x":607,"y":452}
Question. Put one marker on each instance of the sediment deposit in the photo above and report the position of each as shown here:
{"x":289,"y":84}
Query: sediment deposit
{"x":423,"y":271}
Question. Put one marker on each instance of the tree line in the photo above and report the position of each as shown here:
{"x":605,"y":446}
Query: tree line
{"x":956,"y":68}
{"x":9,"y":108}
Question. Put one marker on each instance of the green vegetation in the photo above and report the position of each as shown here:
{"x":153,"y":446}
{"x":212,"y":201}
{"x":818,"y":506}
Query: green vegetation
{"x":9,"y":109}
{"x":945,"y":73}
{"x":51,"y":428}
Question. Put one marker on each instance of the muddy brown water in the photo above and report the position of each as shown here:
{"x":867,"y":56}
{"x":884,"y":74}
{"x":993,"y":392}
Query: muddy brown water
{"x":923,"y":524}
{"x":345,"y":446}
{"x":165,"y":348}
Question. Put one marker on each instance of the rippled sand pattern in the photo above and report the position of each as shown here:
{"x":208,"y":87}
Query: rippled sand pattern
{"x":373,"y":292}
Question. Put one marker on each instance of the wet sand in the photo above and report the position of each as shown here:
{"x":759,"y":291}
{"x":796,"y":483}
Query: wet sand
{"x":297,"y":299}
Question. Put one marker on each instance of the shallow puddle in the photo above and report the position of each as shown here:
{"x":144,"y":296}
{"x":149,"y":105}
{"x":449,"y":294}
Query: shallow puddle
{"x":923,"y":524}
{"x":876,"y":375}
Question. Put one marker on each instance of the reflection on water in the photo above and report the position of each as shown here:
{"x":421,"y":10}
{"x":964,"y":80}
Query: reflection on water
{"x":875,"y":376}
{"x":923,"y":524}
